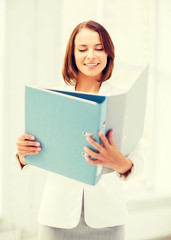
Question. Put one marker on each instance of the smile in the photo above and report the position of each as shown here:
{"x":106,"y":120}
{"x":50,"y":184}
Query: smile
{"x":91,"y":64}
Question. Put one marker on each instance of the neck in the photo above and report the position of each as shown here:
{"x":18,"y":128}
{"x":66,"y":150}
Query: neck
{"x":87,"y":84}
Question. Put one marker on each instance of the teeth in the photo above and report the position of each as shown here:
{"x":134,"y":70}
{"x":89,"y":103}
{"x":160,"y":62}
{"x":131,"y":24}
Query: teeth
{"x":91,"y":64}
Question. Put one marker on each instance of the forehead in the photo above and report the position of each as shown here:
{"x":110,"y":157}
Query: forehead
{"x":87,"y":37}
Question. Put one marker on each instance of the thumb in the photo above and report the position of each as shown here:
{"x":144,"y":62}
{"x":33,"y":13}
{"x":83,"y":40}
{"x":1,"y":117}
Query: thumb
{"x":110,"y":137}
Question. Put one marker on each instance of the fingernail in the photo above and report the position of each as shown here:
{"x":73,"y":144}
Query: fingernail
{"x":88,"y":139}
{"x":32,"y":137}
{"x":37,"y":144}
{"x":85,"y":148}
{"x":100,"y":133}
{"x":39,"y":149}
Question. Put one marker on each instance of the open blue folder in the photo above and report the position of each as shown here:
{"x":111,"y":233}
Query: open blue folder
{"x":61,"y":119}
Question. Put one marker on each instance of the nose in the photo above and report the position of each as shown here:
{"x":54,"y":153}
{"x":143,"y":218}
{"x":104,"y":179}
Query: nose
{"x":90,"y":54}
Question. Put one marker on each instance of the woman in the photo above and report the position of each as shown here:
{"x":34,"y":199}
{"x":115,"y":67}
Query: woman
{"x":88,"y":63}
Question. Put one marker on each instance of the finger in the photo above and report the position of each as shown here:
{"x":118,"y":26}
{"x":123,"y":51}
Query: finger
{"x":92,"y":162}
{"x":103,"y":139}
{"x":26,"y":136}
{"x":110,"y":137}
{"x":91,"y":153}
{"x":29,"y":149}
{"x":28,"y":143}
{"x":96,"y":145}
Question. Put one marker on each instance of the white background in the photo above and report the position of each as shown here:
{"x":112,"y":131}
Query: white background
{"x":33,"y":37}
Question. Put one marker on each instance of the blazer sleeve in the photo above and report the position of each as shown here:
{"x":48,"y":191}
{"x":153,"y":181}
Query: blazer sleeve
{"x":19,"y":168}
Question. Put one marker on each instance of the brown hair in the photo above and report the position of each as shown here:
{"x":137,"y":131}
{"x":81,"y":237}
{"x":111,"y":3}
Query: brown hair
{"x":70,"y":69}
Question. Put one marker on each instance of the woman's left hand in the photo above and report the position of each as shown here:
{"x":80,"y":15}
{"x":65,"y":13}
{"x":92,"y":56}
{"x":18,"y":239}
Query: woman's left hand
{"x":108,"y":154}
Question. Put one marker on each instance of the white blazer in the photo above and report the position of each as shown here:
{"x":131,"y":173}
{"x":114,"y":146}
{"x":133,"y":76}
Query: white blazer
{"x":104,"y":203}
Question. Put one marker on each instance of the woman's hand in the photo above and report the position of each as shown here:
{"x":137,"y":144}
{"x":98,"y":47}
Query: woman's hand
{"x":26,"y":145}
{"x":108,"y":154}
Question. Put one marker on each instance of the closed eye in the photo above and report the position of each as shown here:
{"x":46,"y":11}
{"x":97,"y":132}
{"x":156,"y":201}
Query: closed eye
{"x":99,"y":49}
{"x":82,"y":50}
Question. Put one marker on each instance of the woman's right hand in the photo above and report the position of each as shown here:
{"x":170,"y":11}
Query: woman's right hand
{"x":26,"y":145}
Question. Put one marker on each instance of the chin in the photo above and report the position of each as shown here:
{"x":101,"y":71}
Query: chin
{"x":93,"y":74}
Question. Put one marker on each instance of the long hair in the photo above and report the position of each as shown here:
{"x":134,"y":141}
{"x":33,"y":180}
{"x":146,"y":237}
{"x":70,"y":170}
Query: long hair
{"x":70,"y":70}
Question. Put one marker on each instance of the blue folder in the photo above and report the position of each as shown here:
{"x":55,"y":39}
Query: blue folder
{"x":60,"y":120}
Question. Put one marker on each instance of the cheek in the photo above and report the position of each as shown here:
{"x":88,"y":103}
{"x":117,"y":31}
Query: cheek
{"x":79,"y":58}
{"x":104,"y":59}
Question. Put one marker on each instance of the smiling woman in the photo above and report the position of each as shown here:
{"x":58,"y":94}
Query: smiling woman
{"x":71,"y":209}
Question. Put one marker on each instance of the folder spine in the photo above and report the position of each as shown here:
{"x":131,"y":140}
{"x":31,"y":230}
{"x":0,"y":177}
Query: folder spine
{"x":102,"y":127}
{"x":103,"y":115}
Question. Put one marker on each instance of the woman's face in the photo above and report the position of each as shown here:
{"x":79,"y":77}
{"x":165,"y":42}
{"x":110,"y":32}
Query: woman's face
{"x":90,"y":57}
